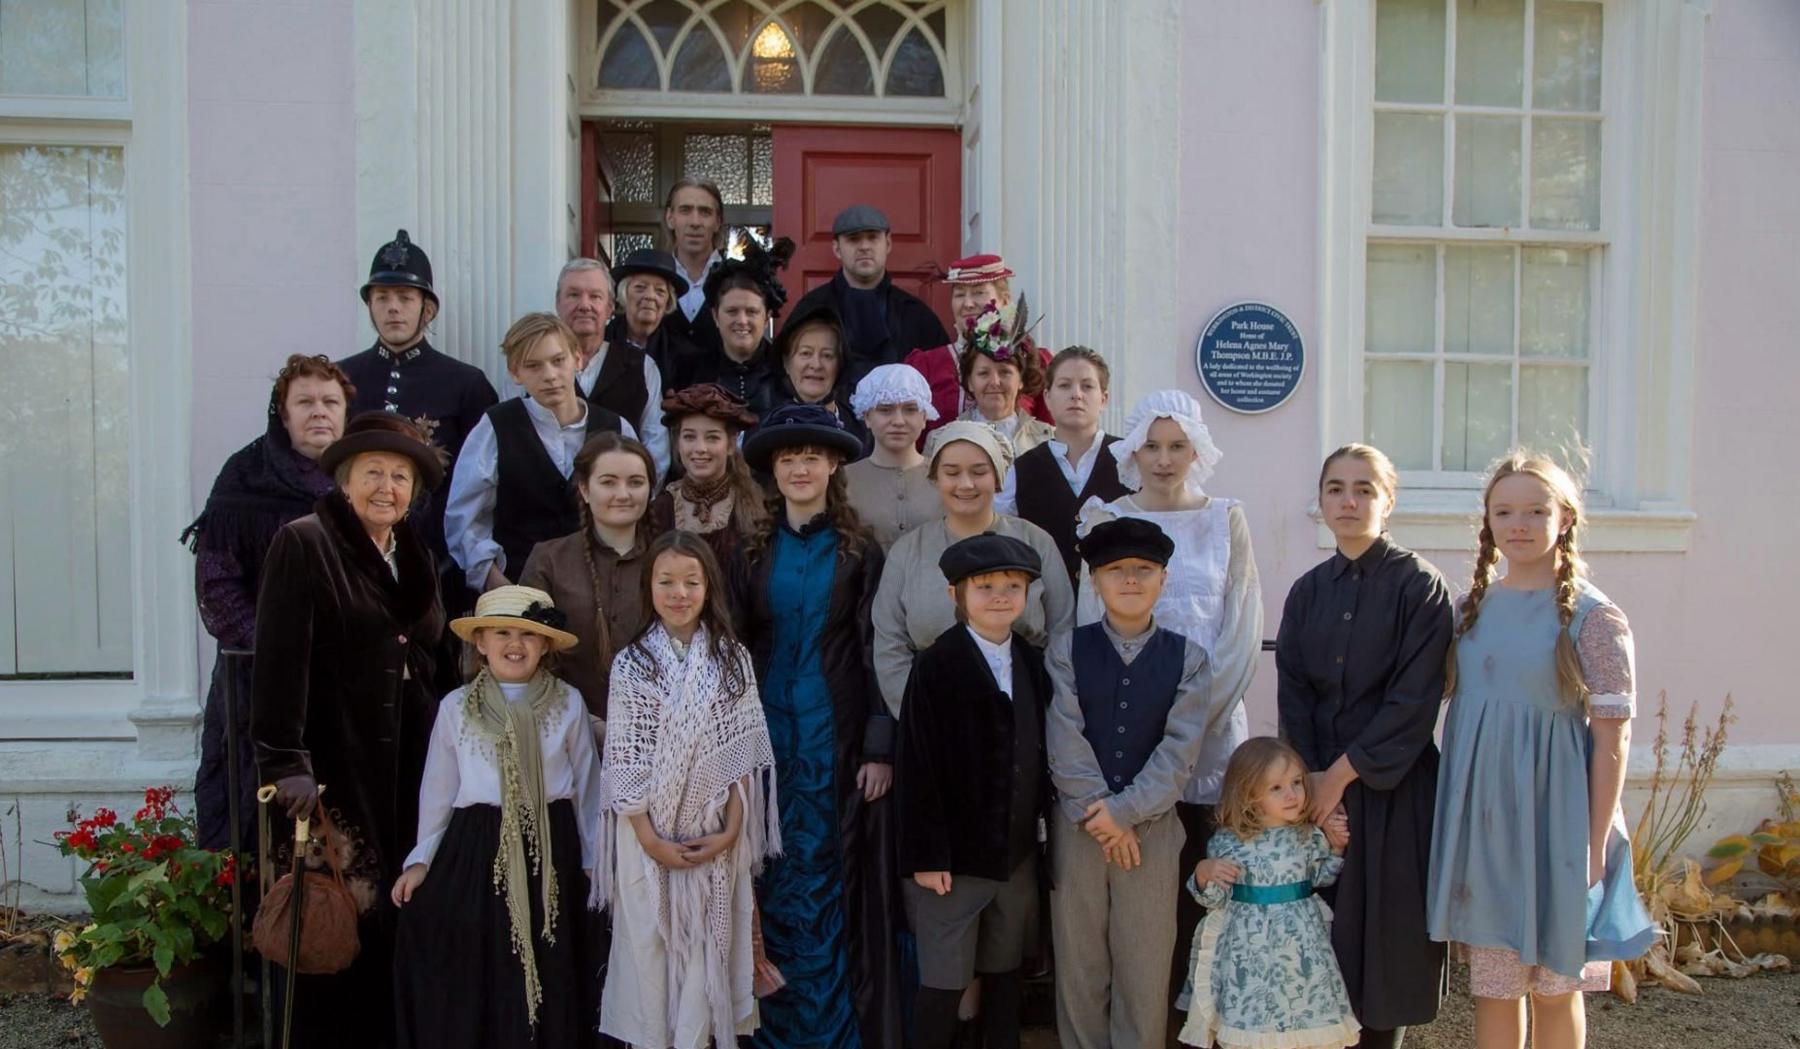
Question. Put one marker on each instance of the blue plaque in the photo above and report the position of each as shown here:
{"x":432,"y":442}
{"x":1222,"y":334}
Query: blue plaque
{"x":1250,"y":358}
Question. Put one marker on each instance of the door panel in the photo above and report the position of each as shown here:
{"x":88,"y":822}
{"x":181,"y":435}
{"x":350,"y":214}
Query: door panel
{"x":913,"y":176}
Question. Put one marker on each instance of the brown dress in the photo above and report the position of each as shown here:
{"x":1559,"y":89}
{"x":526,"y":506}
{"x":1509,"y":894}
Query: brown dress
{"x":592,"y":584}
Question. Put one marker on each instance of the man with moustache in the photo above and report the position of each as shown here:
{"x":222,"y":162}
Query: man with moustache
{"x":882,"y":322}
{"x":618,"y":377}
{"x":694,"y":218}
{"x":403,"y":374}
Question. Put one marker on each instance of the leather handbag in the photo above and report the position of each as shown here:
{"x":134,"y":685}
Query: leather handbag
{"x":328,"y":936}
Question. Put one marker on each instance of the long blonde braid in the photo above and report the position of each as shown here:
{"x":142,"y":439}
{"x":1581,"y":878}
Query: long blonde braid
{"x":1570,"y":569}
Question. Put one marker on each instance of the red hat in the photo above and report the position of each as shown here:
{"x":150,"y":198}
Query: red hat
{"x":977,"y":269}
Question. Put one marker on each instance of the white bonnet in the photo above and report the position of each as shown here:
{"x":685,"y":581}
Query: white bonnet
{"x":893,"y":384}
{"x":1185,"y":411}
{"x":979,"y":434}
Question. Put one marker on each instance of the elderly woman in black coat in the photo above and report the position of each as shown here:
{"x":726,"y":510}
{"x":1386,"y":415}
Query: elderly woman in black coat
{"x":264,"y":485}
{"x":344,"y":697}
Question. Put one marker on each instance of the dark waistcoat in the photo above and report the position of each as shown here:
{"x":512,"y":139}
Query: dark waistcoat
{"x":1045,"y":500}
{"x":1125,"y":708}
{"x":532,"y":501}
{"x":1028,"y":769}
{"x":620,"y":387}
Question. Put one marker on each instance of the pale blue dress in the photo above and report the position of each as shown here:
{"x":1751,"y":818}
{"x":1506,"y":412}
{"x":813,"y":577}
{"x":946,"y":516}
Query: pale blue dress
{"x":1510,"y":847}
{"x":1264,"y":973}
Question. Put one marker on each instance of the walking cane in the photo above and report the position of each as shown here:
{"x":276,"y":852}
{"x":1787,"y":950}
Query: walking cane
{"x":296,"y":902}
{"x":265,"y":880}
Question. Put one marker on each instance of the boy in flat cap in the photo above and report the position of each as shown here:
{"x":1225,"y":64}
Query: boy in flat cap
{"x":972,"y":781}
{"x":1131,"y":705}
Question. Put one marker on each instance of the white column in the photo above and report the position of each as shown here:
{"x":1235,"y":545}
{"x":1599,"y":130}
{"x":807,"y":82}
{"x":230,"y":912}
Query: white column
{"x":464,"y":137}
{"x":1085,"y":146}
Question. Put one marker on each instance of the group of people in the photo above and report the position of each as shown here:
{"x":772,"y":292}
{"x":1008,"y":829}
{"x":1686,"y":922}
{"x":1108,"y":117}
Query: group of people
{"x":785,"y":679}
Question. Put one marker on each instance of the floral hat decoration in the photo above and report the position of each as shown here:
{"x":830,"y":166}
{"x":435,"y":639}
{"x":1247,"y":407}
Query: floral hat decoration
{"x":1000,"y":332}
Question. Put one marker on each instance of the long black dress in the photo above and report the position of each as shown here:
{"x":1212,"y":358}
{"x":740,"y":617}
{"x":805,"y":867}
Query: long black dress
{"x":342,"y":692}
{"x":1360,"y":656}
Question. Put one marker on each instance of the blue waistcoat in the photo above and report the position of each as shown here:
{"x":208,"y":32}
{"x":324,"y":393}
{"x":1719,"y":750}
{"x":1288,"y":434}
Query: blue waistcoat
{"x":1125,"y":707}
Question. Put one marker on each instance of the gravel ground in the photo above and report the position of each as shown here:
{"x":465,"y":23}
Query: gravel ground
{"x":1762,"y":1012}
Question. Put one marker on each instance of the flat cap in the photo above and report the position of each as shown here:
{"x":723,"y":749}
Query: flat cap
{"x":859,"y":217}
{"x":1124,"y":537}
{"x":988,"y":552}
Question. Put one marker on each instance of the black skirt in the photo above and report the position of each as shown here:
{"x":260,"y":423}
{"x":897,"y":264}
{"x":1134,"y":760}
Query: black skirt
{"x":456,"y":979}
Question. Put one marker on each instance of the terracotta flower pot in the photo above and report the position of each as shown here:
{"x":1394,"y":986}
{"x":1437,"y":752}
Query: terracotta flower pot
{"x":116,"y":1003}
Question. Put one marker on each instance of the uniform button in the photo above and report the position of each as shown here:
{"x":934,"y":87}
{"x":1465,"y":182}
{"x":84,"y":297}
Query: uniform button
{"x":1346,"y":617}
{"x":1122,"y":706}
{"x":401,"y":639}
{"x":1118,"y":779}
{"x":393,"y":389}
{"x":1124,"y":681}
{"x":1121,"y":730}
{"x":1118,"y":753}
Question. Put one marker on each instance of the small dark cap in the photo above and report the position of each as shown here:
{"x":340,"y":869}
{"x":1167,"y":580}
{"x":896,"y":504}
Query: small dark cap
{"x":988,"y":552}
{"x":1123,"y":537}
{"x":859,"y":217}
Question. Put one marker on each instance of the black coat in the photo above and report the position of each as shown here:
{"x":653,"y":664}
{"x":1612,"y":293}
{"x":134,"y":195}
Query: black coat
{"x":954,"y":774}
{"x":1360,"y":658}
{"x":343,"y":672}
{"x":911,"y":324}
{"x":754,"y":380}
{"x":864,"y":732}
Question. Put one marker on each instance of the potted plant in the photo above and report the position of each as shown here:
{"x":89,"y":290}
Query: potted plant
{"x":158,"y":902}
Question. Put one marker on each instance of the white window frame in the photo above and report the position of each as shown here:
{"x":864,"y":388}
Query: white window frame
{"x":158,"y":705}
{"x":1641,"y":411}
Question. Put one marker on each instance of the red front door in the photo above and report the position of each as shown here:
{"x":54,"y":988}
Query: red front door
{"x":913,"y":176}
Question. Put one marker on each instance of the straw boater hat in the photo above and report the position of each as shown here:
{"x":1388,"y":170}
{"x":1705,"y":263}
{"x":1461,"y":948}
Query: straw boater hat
{"x":379,"y":431}
{"x":977,"y":269}
{"x":521,"y":608}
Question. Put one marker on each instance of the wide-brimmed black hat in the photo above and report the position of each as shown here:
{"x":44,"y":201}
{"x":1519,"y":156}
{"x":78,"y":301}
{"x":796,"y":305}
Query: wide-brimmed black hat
{"x":796,"y":425}
{"x":1124,"y":537}
{"x":656,"y":263}
{"x":379,"y":431}
{"x":400,"y":263}
{"x":988,"y":552}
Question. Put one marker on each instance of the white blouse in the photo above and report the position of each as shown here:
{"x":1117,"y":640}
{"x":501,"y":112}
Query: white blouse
{"x":460,"y":770}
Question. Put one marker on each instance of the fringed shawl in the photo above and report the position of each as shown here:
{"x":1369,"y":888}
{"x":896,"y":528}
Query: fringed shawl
{"x":677,"y":745}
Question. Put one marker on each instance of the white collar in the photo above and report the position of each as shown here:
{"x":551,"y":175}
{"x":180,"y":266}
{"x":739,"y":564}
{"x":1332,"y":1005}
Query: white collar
{"x":1000,"y":653}
{"x":1061,"y":450}
{"x":548,"y":418}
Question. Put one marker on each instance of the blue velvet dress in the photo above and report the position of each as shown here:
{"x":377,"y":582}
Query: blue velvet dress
{"x":801,"y":892}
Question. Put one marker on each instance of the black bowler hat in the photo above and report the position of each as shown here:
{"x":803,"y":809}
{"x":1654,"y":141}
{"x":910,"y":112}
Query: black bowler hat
{"x":379,"y":431}
{"x":988,"y":552}
{"x":1123,"y":537}
{"x":795,"y":426}
{"x":656,"y":263}
{"x":402,"y":264}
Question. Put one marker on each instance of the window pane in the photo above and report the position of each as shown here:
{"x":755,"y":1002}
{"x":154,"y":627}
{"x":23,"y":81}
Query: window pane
{"x":630,"y":159}
{"x":1553,"y":311}
{"x":1487,"y":172}
{"x":881,"y":23}
{"x":1490,"y":52}
{"x":774,"y":67}
{"x":665,"y":19}
{"x":628,"y":64}
{"x":1565,"y":71}
{"x":1478,"y":300}
{"x":1400,"y":299}
{"x":64,"y":425}
{"x":1397,"y":411}
{"x":62,"y":47}
{"x":1409,"y":51}
{"x":1553,"y":410}
{"x":762,"y":171}
{"x":626,"y":243}
{"x":1565,"y":174}
{"x":915,"y":72}
{"x":1409,"y":169}
{"x":1477,"y":414}
{"x":700,"y":65}
{"x":725,"y":159}
{"x":843,"y":67}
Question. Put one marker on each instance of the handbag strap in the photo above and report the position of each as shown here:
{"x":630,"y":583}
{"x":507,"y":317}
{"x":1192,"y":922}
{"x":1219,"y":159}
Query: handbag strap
{"x":331,"y":856}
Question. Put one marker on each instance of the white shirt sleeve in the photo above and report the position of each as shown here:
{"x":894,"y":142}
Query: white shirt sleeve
{"x":655,"y":434}
{"x":1006,"y":500}
{"x":469,"y":513}
{"x":439,"y":785}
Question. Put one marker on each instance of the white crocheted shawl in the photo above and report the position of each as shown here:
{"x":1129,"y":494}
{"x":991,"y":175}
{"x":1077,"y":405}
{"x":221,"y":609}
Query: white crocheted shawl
{"x":677,"y":745}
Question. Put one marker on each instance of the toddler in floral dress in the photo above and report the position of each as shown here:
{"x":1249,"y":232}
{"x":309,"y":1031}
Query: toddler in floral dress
{"x":1264,"y":975}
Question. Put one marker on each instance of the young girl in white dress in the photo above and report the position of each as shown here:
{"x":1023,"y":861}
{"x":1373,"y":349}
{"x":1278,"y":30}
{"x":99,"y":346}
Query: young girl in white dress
{"x":687,"y":814}
{"x":495,"y":946}
{"x":1265,"y":975}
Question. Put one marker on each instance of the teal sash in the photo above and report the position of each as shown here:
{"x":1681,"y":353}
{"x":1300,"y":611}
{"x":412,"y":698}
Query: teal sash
{"x":1266,"y":895}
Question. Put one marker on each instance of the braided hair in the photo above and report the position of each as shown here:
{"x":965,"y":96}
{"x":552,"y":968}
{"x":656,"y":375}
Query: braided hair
{"x":1570,"y":568}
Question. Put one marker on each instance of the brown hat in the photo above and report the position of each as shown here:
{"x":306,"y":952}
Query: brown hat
{"x":379,"y":431}
{"x":708,"y":399}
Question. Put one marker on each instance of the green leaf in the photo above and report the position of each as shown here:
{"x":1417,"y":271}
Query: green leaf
{"x":1736,"y":845}
{"x":1764,"y":838}
{"x":154,"y":875}
{"x":164,"y":959}
{"x":156,"y":1003}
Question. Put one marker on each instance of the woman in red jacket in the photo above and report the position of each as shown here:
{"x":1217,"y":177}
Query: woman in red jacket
{"x":975,"y":283}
